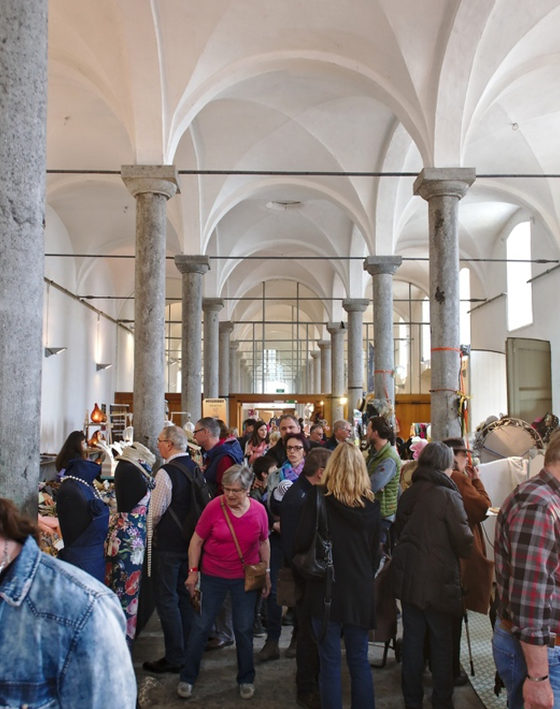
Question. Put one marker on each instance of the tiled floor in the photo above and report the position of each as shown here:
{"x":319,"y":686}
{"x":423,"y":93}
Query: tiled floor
{"x":275,"y":681}
{"x":483,"y":663}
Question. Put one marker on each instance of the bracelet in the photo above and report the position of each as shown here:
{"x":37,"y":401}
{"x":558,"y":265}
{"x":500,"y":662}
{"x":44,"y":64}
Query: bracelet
{"x":537,"y":679}
{"x":193,"y":570}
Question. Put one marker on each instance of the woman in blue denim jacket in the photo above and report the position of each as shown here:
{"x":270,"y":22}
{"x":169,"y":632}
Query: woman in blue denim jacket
{"x":62,"y":633}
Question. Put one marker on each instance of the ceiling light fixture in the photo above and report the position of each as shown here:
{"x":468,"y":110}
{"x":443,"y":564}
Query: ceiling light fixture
{"x":284,"y":204}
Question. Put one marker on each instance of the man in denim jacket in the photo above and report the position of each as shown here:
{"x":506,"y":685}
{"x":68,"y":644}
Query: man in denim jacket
{"x":62,"y":635}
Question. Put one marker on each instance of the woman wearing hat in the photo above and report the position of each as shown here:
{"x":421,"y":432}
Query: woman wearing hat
{"x":126,"y":540}
{"x":476,"y":571}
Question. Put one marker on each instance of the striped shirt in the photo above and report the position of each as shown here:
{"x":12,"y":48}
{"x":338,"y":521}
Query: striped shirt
{"x":527,"y":555}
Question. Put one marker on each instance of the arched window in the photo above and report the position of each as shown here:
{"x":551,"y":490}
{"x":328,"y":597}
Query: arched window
{"x":465,"y":306}
{"x":519,"y":291}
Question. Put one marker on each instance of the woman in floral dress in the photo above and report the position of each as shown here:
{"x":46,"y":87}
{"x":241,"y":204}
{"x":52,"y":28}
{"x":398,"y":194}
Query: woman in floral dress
{"x":126,"y":540}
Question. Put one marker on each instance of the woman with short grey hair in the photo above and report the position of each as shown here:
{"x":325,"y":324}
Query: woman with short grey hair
{"x":223,"y":572}
{"x":241,"y":474}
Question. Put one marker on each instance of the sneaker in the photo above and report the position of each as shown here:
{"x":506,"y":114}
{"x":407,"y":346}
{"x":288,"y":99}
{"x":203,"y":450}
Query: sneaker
{"x":258,"y":629}
{"x":246,"y":691}
{"x":184,"y":690}
{"x":270,"y":651}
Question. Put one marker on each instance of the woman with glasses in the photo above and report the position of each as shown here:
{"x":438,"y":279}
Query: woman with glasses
{"x":221,"y":572}
{"x":296,"y":446}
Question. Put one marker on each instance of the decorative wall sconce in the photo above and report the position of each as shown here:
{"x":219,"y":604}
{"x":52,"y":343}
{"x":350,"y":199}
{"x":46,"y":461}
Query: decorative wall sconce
{"x":50,"y":351}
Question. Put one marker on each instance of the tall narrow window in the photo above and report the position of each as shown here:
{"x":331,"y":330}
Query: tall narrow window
{"x":465,"y":306}
{"x":519,"y":291}
{"x":426,"y":342}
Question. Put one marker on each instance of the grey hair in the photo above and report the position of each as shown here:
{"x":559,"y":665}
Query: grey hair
{"x":240,"y":473}
{"x":211,"y":425}
{"x":176,"y":436}
{"x":341,"y":423}
{"x":436,"y":456}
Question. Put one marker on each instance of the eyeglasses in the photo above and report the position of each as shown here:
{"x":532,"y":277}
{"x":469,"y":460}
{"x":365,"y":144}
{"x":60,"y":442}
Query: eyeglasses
{"x":198,"y":430}
{"x":234,"y":490}
{"x":294,"y":448}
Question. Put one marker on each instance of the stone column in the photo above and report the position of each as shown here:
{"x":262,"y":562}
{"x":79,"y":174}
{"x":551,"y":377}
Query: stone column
{"x":442,"y":188}
{"x":336,"y":331}
{"x":192,"y":268}
{"x":381,"y":269}
{"x":23,"y":101}
{"x":211,"y":307}
{"x":224,"y":375}
{"x":234,"y":358}
{"x":325,"y":349}
{"x":152,"y":186}
{"x":316,"y":355}
{"x":355,"y":307}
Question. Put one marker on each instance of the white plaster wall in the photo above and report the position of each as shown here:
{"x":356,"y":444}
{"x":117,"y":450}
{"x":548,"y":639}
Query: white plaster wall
{"x":71,"y":384}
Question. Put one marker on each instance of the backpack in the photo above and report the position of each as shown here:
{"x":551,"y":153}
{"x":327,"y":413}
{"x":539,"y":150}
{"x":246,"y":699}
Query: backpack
{"x":201,"y":496}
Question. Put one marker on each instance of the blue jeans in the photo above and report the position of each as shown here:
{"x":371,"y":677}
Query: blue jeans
{"x":273,"y":610}
{"x":213,"y":592}
{"x":439,"y":628}
{"x":172,"y":602}
{"x":330,"y":685}
{"x":510,"y":663}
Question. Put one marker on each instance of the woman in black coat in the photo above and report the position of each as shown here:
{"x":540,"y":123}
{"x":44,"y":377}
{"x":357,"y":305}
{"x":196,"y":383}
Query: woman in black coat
{"x":432,"y":532}
{"x":353,"y":523}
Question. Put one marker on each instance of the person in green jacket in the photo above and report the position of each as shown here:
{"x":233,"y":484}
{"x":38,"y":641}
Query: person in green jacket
{"x":384,"y":466}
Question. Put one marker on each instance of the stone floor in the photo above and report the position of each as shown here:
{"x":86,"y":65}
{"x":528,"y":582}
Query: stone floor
{"x":275,"y":683}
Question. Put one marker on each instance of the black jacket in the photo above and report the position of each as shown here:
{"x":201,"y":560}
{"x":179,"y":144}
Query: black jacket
{"x":354,"y":532}
{"x":432,"y":533}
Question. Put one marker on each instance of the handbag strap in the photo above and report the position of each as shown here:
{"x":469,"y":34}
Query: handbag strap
{"x":229,"y":524}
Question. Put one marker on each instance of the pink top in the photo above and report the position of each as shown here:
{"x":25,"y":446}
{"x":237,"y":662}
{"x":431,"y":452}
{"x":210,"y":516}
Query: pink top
{"x":219,"y":555}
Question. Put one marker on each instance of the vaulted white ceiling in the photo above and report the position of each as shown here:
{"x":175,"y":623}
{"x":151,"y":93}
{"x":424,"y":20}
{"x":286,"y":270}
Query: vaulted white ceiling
{"x":319,"y":86}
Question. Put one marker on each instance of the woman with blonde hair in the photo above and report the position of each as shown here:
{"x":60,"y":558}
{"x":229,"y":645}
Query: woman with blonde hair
{"x":353,"y":521}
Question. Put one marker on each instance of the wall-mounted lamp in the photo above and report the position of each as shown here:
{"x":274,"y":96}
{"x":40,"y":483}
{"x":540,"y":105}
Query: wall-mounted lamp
{"x":343,"y":400}
{"x":50,"y":351}
{"x":99,"y":366}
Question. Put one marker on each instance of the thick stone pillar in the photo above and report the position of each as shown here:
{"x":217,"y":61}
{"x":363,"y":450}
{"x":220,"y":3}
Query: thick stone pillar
{"x":152,"y":186}
{"x":211,"y":307}
{"x":355,"y":307}
{"x":325,"y":349}
{"x":336,"y":331}
{"x":192,"y":268}
{"x":442,"y":188}
{"x":316,"y":355}
{"x":224,"y":374}
{"x":381,"y":270}
{"x":23,"y":101}
{"x":234,"y":365}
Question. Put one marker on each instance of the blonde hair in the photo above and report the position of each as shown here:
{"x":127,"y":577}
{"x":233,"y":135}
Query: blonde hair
{"x":346,"y":477}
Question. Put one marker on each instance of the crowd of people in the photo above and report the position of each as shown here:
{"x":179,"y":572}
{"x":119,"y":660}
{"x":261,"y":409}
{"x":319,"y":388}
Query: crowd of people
{"x":221,"y":540}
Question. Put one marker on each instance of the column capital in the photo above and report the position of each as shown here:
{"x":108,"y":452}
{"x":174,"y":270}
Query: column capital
{"x":324,"y":344}
{"x":212,"y":305}
{"x":355,"y":305}
{"x":157,"y":179}
{"x":186,"y":263}
{"x":225,"y":326}
{"x":444,"y":181}
{"x":376,"y":265}
{"x":334,"y":328}
{"x":315,"y":354}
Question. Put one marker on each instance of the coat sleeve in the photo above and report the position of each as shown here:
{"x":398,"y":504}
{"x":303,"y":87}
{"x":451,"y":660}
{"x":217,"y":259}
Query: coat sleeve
{"x":475,"y":498}
{"x":458,"y":528}
{"x":306,"y":523}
